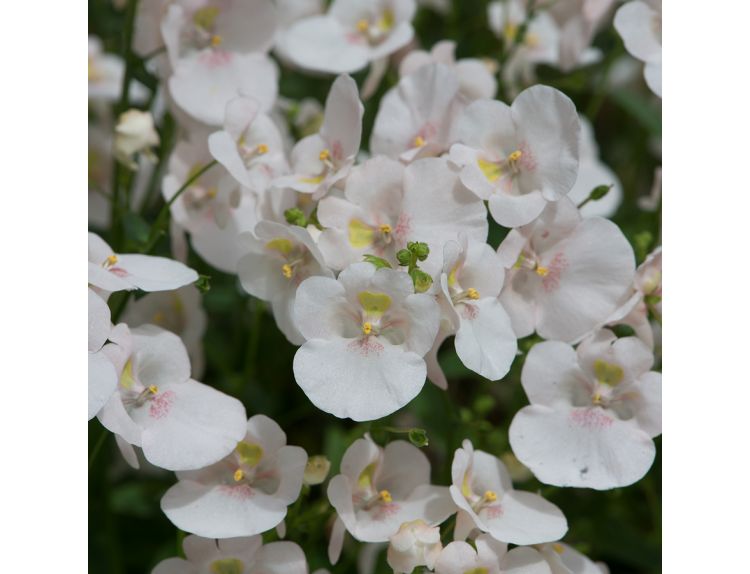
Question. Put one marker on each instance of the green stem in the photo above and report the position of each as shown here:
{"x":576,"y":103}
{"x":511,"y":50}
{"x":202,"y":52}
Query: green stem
{"x":118,"y":231}
{"x":253,"y":341}
{"x":97,"y":447}
{"x":163,"y":218}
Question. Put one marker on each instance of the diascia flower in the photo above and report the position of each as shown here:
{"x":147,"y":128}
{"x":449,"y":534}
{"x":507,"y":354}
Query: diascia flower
{"x":241,"y":555}
{"x":519,"y":157}
{"x":180,"y":423}
{"x":639,"y":24}
{"x":321,"y":160}
{"x":135,"y":133}
{"x":110,"y":271}
{"x":416,"y":116}
{"x":490,"y":557}
{"x":279,"y":259}
{"x":471,"y":281}
{"x":483,"y":491}
{"x":386,"y":205}
{"x":366,"y":333}
{"x":594,"y":412}
{"x":415,"y":544}
{"x":351,"y":35}
{"x":381,"y":488}
{"x":565,"y":275}
{"x":564,"y":559}
{"x":250,"y":146}
{"x":476,"y":78}
{"x":244,"y":494}
{"x":102,"y":374}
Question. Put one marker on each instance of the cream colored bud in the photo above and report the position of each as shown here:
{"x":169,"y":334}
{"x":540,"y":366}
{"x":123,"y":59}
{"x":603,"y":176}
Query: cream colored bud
{"x":316,"y":469}
{"x":135,"y":133}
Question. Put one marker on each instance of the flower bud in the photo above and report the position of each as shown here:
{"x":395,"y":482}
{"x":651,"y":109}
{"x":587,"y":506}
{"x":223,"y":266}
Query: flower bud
{"x":422,"y":281}
{"x":415,"y":544}
{"x":295,"y":216}
{"x":316,"y":469}
{"x":135,"y":133}
{"x":421,"y":250}
{"x":403,"y":256}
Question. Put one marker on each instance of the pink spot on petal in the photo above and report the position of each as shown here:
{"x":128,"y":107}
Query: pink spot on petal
{"x":337,"y":151}
{"x":355,"y":38}
{"x":238,"y":491}
{"x":403,"y":227}
{"x":366,"y":346}
{"x":469,"y":311}
{"x":385,"y":510}
{"x":119,"y":271}
{"x":494,"y":511}
{"x":527,"y":161}
{"x":215,"y":58}
{"x":591,"y":418}
{"x":161,"y":405}
{"x":551,"y":281}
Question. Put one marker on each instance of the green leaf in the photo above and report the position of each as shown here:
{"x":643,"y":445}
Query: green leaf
{"x":136,"y":228}
{"x":378,"y":262}
{"x":640,"y":108}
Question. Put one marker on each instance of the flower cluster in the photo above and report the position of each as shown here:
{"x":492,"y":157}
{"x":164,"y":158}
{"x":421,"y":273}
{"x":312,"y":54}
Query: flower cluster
{"x":371,"y":255}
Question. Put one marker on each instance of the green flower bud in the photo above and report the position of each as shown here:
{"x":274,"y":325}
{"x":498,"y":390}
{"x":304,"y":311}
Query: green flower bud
{"x":421,"y":250}
{"x":295,"y":216}
{"x":418,"y":437}
{"x":403,"y":257}
{"x":422,"y":281}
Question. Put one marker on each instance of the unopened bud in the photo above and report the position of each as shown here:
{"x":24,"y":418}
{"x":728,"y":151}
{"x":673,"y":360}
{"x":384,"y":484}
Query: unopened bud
{"x":295,"y":216}
{"x":403,"y":257}
{"x":316,"y":469}
{"x":422,"y":281}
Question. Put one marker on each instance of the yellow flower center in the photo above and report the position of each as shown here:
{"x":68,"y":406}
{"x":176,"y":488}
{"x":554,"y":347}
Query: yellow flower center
{"x":419,"y":141}
{"x":472,"y":293}
{"x":385,"y":496}
{"x":239,"y":474}
{"x":367,"y":327}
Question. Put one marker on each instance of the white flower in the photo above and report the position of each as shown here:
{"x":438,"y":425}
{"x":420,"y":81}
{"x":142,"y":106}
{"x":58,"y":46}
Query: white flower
{"x":639,"y":24}
{"x":278,"y":259}
{"x":416,"y":116}
{"x":386,"y":205}
{"x":471,"y":281}
{"x":565,"y":275}
{"x":321,"y":160}
{"x":519,"y":157}
{"x":241,"y":555}
{"x":381,"y":488}
{"x":578,"y":21}
{"x":593,"y":412}
{"x":476,"y":78}
{"x":351,"y":35}
{"x":179,"y":311}
{"x":105,"y":75}
{"x":484,"y":494}
{"x":250,"y":146}
{"x":564,"y":559}
{"x":415,"y":544}
{"x":244,"y":494}
{"x":180,"y":423}
{"x":102,"y":374}
{"x":490,"y":557}
{"x":111,"y":271}
{"x":366,"y":335}
{"x":134,"y":133}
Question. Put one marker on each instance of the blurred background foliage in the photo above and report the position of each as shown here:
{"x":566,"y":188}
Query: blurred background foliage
{"x":250,"y":359}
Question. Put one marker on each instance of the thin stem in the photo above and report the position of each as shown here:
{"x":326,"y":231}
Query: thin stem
{"x":160,"y":224}
{"x":154,"y":53}
{"x":97,"y":447}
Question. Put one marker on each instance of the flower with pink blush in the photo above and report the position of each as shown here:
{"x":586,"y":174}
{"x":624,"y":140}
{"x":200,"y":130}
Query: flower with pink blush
{"x":352,"y":34}
{"x":415,"y":544}
{"x":240,"y":555}
{"x":179,"y":423}
{"x":379,"y":489}
{"x":594,"y":412}
{"x":245,"y":493}
{"x":518,"y":157}
{"x":366,"y":333}
{"x":180,"y":311}
{"x":214,"y":209}
{"x":476,"y":78}
{"x":565,"y":275}
{"x":471,"y":280}
{"x":386,"y":205}
{"x":490,"y":557}
{"x":417,"y":116}
{"x":102,"y":374}
{"x":204,"y":83}
{"x":483,"y":492}
{"x":564,"y":559}
{"x":322,"y":160}
{"x":278,"y":259}
{"x":639,"y":24}
{"x":110,"y":271}
{"x":240,"y":27}
{"x":250,"y":146}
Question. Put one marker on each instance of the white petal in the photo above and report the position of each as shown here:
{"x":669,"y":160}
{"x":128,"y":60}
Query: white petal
{"x":151,"y":273}
{"x":102,"y":382}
